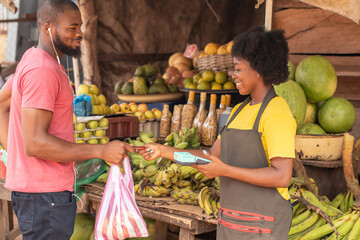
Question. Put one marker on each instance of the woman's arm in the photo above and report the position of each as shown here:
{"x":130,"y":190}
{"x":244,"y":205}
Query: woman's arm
{"x":278,"y":175}
{"x":157,"y":150}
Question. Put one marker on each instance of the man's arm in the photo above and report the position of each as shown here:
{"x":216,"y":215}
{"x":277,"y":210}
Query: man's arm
{"x":39,"y":143}
{"x":5,"y":100}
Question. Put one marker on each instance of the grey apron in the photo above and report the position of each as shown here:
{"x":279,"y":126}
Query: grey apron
{"x":248,"y":211}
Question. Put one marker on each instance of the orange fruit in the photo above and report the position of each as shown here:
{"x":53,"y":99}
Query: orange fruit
{"x":221,"y":77}
{"x":229,"y":47}
{"x":191,"y":85}
{"x":208,"y":76}
{"x":229,"y":85}
{"x":216,"y":86}
{"x":204,"y":85}
{"x":222,"y":50}
{"x":187,"y":80}
{"x":211,"y":48}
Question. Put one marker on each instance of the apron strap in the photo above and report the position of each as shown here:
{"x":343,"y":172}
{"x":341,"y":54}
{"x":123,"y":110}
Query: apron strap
{"x":243,"y":104}
{"x":269,"y":96}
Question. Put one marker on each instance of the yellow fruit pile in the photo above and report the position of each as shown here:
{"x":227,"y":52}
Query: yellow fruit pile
{"x":90,"y":131}
{"x":132,"y":109}
{"x":98,"y":100}
{"x":214,"y":48}
{"x":208,"y":80}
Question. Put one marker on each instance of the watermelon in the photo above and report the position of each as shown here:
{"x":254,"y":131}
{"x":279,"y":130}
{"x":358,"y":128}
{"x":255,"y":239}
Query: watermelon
{"x":310,"y":128}
{"x":337,"y":115}
{"x":292,"y":69}
{"x":311,"y":112}
{"x":317,"y":76}
{"x":295,"y":98}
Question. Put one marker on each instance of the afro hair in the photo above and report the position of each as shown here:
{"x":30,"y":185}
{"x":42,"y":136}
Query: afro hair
{"x":266,"y":51}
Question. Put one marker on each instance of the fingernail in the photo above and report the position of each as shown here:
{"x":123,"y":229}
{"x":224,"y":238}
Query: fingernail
{"x":150,"y":154}
{"x":152,"y":151}
{"x":205,"y":152}
{"x":148,"y":149}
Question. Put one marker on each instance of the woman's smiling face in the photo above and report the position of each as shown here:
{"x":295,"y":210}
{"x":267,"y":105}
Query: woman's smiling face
{"x":246,"y":78}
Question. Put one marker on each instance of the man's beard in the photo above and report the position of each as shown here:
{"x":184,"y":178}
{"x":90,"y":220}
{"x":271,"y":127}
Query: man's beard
{"x":66,"y":49}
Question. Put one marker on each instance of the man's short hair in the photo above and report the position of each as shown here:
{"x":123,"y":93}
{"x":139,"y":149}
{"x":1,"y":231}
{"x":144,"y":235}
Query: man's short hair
{"x":50,"y":10}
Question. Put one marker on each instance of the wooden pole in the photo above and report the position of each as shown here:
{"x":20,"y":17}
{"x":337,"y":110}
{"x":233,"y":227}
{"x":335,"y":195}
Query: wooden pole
{"x":89,"y":56}
{"x":76,"y":74}
{"x":268,"y":14}
{"x":9,"y":5}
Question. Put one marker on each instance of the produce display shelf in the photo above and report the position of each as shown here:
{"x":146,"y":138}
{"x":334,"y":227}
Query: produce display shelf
{"x":323,"y":164}
{"x":210,"y":91}
{"x":86,"y":119}
{"x":151,"y":97}
{"x":90,"y":129}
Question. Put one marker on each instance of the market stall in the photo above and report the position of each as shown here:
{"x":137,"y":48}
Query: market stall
{"x":326,"y":172}
{"x":119,"y":56}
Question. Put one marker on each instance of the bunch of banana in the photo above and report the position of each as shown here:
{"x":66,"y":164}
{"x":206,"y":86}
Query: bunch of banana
{"x":145,"y":188}
{"x":216,"y":183}
{"x":325,"y":206}
{"x":344,"y":201}
{"x":304,"y":221}
{"x":200,"y":177}
{"x":139,"y":161}
{"x":185,"y":138}
{"x":209,"y":200}
{"x":307,"y":224}
{"x":347,"y":227}
{"x":186,"y":171}
{"x":185,"y":196}
{"x":148,"y":137}
{"x":144,"y":138}
{"x":151,"y":191}
{"x":138,"y":175}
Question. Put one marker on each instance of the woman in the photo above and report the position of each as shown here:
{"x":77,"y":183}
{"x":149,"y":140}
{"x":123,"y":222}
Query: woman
{"x":253,"y":154}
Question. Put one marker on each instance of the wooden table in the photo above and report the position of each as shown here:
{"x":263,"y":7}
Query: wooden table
{"x":191,"y":219}
{"x":8,"y":230}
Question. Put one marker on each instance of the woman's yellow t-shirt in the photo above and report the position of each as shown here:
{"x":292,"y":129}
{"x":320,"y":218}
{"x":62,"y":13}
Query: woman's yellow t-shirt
{"x":278,"y":128}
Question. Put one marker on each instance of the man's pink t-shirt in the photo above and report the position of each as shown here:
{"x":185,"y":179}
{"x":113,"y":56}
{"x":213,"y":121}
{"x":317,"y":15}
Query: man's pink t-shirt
{"x":39,"y":83}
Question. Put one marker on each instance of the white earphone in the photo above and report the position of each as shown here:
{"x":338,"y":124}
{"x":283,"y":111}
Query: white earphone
{"x":52,"y":42}
{"x":57,"y":57}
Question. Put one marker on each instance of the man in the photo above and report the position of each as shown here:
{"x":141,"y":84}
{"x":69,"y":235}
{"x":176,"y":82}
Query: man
{"x":36,"y":128}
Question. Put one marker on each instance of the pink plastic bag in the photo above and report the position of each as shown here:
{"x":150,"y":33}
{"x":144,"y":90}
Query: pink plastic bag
{"x":119,"y":216}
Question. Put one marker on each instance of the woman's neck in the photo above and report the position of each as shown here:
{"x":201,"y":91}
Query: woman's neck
{"x":259,"y":94}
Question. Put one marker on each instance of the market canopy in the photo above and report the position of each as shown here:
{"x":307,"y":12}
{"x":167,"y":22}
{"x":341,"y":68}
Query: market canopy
{"x":346,"y":8}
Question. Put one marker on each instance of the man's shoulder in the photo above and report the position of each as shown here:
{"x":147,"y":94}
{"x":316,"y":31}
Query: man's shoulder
{"x":35,"y":58}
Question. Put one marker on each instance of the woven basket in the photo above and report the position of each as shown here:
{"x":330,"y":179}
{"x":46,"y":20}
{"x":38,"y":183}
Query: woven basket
{"x":216,"y":63}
